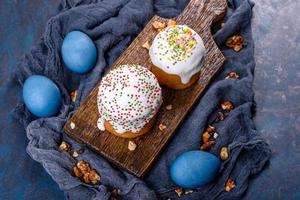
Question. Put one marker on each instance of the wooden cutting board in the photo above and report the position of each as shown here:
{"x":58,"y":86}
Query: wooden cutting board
{"x":199,"y":15}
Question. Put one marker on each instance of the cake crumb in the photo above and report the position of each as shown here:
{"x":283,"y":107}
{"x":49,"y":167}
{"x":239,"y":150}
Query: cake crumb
{"x":188,"y":191}
{"x":73,"y":95}
{"x":169,"y":107}
{"x":227,"y":105}
{"x":147,"y":45}
{"x":222,"y":25}
{"x":75,"y":154}
{"x":232,"y":75}
{"x":131,"y":145}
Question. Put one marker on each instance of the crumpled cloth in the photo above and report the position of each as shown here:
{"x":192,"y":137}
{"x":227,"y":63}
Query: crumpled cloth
{"x":113,"y":24}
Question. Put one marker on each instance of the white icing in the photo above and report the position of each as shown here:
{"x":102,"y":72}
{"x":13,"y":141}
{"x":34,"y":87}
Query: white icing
{"x":128,"y":98}
{"x":100,"y":124}
{"x":163,"y":55}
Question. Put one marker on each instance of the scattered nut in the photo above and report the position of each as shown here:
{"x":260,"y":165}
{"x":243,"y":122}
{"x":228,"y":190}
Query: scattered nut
{"x":179,"y":191}
{"x":210,"y":129}
{"x":73,"y":95}
{"x":221,"y":116}
{"x":169,"y":107}
{"x":72,"y":125}
{"x":131,"y":146}
{"x":222,"y":25}
{"x":205,"y":137}
{"x":115,"y":193}
{"x":235,"y":42}
{"x":227,"y":105}
{"x":77,"y":172}
{"x":171,"y":22}
{"x":94,"y":176}
{"x":83,"y":170}
{"x":147,"y":45}
{"x":158,"y":25}
{"x":232,"y":75}
{"x":75,"y":154}
{"x":83,"y":166}
{"x":64,"y":146}
{"x":162,"y":127}
{"x":224,"y":153}
{"x":230,"y":184}
{"x":188,"y":191}
{"x":207,"y":145}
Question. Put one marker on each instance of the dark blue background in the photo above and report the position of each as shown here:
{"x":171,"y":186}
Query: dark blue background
{"x":276,"y":28}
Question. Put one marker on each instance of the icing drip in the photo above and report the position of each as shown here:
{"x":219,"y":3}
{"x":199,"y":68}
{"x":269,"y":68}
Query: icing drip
{"x":128,"y":98}
{"x":178,"y":50}
{"x":100,"y":124}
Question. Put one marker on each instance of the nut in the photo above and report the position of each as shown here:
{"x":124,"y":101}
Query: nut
{"x":158,"y":25}
{"x":222,"y":25}
{"x":207,"y":145}
{"x":171,"y":22}
{"x":131,"y":145}
{"x":224,"y":153}
{"x":147,"y":45}
{"x":73,"y":95}
{"x":75,"y":154}
{"x":230,"y":184}
{"x":210,"y":129}
{"x":169,"y":107}
{"x":64,"y":146}
{"x":188,"y":191}
{"x":72,"y":125}
{"x":205,"y":137}
{"x":94,"y":176}
{"x":227,"y":105}
{"x":83,"y":166}
{"x":179,"y":191}
{"x":221,"y":116}
{"x":235,"y":42}
{"x":77,"y":172}
{"x":232,"y":75}
{"x":83,"y":170}
{"x":115,"y":193}
{"x":162,"y":127}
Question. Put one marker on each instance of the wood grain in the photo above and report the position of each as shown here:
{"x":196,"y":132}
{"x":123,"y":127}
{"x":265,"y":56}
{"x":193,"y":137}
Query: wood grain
{"x":199,"y":15}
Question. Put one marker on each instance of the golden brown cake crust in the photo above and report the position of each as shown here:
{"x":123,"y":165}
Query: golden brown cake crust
{"x":172,"y":81}
{"x":130,"y":134}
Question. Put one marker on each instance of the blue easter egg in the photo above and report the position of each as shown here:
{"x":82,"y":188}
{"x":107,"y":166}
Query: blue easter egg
{"x":194,"y":169}
{"x":41,"y":96}
{"x":79,"y":52}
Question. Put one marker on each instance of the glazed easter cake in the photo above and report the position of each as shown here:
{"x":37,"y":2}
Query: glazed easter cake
{"x":177,"y":54}
{"x":128,"y":100}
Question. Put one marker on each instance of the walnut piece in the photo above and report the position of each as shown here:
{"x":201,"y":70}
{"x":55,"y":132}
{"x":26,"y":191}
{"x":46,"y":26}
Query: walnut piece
{"x":227,"y":105}
{"x":147,"y":45}
{"x":75,"y":154}
{"x":235,"y":42}
{"x":230,"y":184}
{"x":207,"y":145}
{"x":158,"y":25}
{"x":232,"y":75}
{"x":131,"y":145}
{"x":83,"y":170}
{"x":205,"y":137}
{"x":162,"y":127}
{"x":73,"y":95}
{"x":179,"y":191}
{"x":224,"y":153}
{"x":169,"y":107}
{"x":171,"y":22}
{"x":64,"y":146}
{"x":210,"y":129}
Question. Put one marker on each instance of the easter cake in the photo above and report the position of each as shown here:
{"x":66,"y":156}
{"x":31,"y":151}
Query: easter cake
{"x":128,"y":100}
{"x":177,"y":54}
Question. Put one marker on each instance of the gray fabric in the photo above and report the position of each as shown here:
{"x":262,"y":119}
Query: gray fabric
{"x":113,"y":24}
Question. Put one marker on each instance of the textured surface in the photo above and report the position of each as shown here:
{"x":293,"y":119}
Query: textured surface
{"x":150,"y":145}
{"x":276,"y":33}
